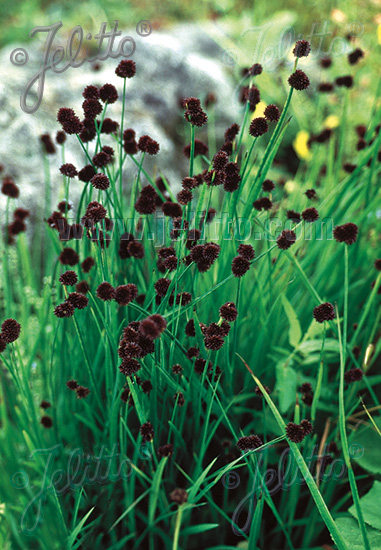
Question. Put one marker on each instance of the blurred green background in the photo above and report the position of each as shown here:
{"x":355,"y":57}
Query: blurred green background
{"x":19,"y":16}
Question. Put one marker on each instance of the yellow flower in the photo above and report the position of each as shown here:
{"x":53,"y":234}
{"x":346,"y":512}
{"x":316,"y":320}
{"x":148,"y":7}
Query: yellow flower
{"x":332,"y":121}
{"x":290,"y":186}
{"x":300,"y":145}
{"x":259,"y":109}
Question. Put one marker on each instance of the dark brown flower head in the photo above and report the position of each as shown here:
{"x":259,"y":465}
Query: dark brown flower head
{"x":172,"y":209}
{"x":310,"y":215}
{"x":377,"y":264}
{"x":146,"y":203}
{"x":272,"y":113}
{"x":199,"y":365}
{"x":86,"y":173}
{"x":161,"y":286}
{"x":129,"y":366}
{"x":305,"y":388}
{"x":148,"y":145}
{"x":82,"y":392}
{"x":170,"y":263}
{"x":231,"y":132}
{"x":69,"y":278}
{"x":147,"y":431}
{"x":124,"y":294}
{"x":21,"y":214}
{"x":246,"y":251}
{"x":227,"y":147}
{"x":146,"y":386}
{"x":63,"y":206}
{"x":295,"y":432}
{"x":183,"y":298}
{"x":299,"y":80}
{"x":108,"y":93}
{"x":191,"y":103}
{"x":220,"y":160}
{"x":325,"y":87}
{"x":3,"y":344}
{"x":184,"y":196}
{"x":346,"y":233}
{"x":311,"y":194}
{"x":64,"y":310}
{"x":249,"y":443}
{"x":166,"y":251}
{"x":294,"y":216}
{"x":200,"y":148}
{"x":68,"y":170}
{"x":229,"y":312}
{"x":135,"y":249}
{"x":165,"y":450}
{"x":91,"y":108}
{"x":179,"y":496}
{"x":190,"y":328}
{"x":264,"y":203}
{"x":82,"y":287}
{"x":188,"y":183}
{"x":48,"y":144}
{"x":232,"y":177}
{"x":214,"y":342}
{"x":160,"y":322}
{"x":307,"y":427}
{"x":255,"y":69}
{"x":353,"y":375}
{"x":45,"y":404}
{"x":91,"y":92}
{"x":79,"y":301}
{"x":258,"y":127}
{"x":16,"y":227}
{"x":46,"y":421}
{"x":253,"y":96}
{"x":100,"y":181}
{"x":196,"y":117}
{"x":69,"y":121}
{"x":355,"y":56}
{"x":105,"y":292}
{"x":72,"y":384}
{"x":149,"y":329}
{"x":179,"y":399}
{"x":325,"y":62}
{"x":130,"y":147}
{"x":177,"y":369}
{"x":344,"y":81}
{"x":302,"y":48}
{"x":240,"y":266}
{"x":87,"y":264}
{"x":109,"y":126}
{"x":10,"y":189}
{"x":60,"y":137}
{"x":10,"y":330}
{"x":268,"y":186}
{"x":126,"y":68}
{"x":68,"y":256}
{"x":324,"y":312}
{"x":286,"y":239}
{"x":95,"y":212}
{"x":210,"y":99}
{"x":101,"y":159}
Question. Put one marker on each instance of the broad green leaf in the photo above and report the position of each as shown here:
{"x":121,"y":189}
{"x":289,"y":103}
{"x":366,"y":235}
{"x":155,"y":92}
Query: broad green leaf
{"x":286,"y":386}
{"x":370,"y":505}
{"x":369,"y":442}
{"x":351,"y":533}
{"x":295,"y":332}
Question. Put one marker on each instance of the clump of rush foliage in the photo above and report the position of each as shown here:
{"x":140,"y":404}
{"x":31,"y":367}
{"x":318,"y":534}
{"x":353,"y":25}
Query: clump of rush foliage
{"x":196,"y":366}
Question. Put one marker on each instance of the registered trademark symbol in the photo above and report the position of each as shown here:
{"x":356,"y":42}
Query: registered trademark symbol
{"x":144,"y":28}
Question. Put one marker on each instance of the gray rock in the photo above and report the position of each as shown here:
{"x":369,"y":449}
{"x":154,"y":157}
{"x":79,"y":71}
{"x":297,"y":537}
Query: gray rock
{"x":181,"y":62}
